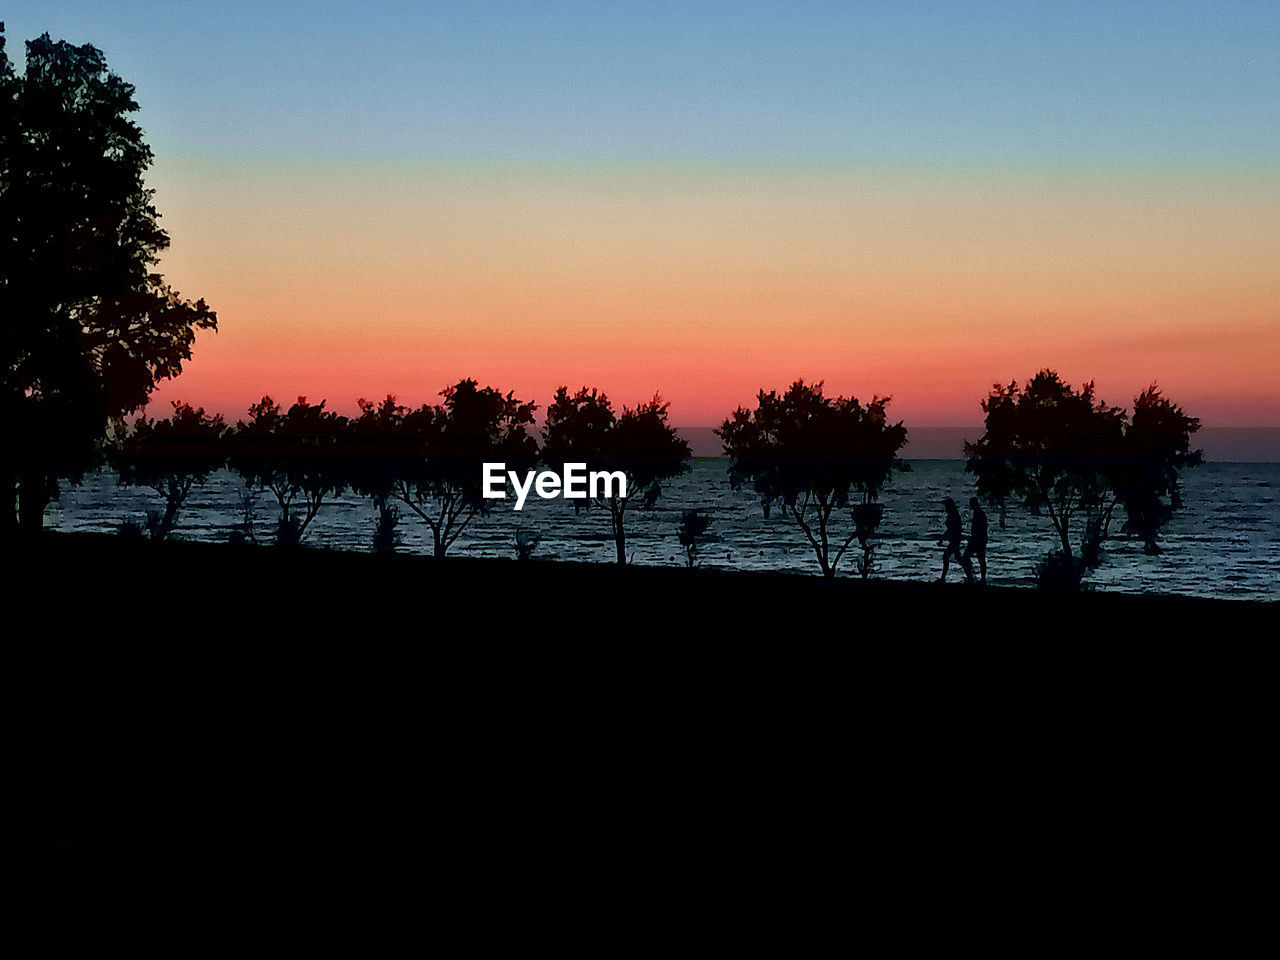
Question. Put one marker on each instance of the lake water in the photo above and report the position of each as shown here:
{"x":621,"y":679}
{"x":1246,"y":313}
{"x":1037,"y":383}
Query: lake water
{"x":1224,"y":543}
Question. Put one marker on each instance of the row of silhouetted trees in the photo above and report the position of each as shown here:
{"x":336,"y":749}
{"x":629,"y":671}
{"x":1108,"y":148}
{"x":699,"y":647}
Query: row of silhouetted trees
{"x":426,"y":461}
{"x":822,"y":462}
{"x":88,"y":328}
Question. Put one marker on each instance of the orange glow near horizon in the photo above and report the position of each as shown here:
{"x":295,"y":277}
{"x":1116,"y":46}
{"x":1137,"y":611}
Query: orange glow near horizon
{"x":706,"y":283}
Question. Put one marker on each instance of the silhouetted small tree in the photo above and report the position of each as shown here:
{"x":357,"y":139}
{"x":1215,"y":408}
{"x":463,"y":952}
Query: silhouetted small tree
{"x":693,"y":524}
{"x":1157,"y":449}
{"x":430,"y":459}
{"x":1063,"y":452}
{"x":171,"y":456}
{"x":816,"y":456}
{"x":641,"y":444}
{"x":294,"y":454}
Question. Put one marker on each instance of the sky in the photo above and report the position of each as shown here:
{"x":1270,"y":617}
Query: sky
{"x":914,"y":199}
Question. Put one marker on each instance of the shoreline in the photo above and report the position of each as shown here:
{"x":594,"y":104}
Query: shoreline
{"x":1219,"y":545}
{"x":366,"y":568}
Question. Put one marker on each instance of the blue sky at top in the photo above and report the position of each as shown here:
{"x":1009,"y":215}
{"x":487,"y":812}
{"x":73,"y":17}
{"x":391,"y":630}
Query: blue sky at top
{"x":793,"y":82}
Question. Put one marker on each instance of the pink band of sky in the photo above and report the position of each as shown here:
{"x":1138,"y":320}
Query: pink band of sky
{"x":707,"y":282}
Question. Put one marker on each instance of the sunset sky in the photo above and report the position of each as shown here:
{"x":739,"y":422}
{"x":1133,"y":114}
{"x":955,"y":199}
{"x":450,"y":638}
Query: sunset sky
{"x":914,"y":199}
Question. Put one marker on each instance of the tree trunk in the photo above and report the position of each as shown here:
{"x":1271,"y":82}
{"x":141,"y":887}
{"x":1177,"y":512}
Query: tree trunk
{"x":619,"y":534}
{"x":438,"y":545}
{"x":313,"y":510}
{"x":169,"y":520}
{"x":824,"y":558}
{"x":1066,"y":542}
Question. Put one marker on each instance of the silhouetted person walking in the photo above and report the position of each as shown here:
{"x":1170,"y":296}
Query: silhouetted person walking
{"x":951,"y":540}
{"x":977,"y":545}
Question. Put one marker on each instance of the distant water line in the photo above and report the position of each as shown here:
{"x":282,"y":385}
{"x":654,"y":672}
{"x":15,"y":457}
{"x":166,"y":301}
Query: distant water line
{"x":1225,"y":542}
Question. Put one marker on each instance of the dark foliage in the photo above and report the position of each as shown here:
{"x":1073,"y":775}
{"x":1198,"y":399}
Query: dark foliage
{"x":87,"y":325}
{"x":1158,"y":443}
{"x":815,"y":456}
{"x":1063,"y":452}
{"x":866,"y":525}
{"x":171,"y":456}
{"x":296,"y":455}
{"x":1060,"y":572}
{"x":130,"y":530}
{"x":640,"y":444}
{"x":526,"y":542}
{"x":430,"y":459}
{"x":693,"y":524}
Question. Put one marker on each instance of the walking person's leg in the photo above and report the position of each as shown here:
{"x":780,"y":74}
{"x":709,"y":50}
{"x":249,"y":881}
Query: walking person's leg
{"x":953,"y":549}
{"x":947,"y":553}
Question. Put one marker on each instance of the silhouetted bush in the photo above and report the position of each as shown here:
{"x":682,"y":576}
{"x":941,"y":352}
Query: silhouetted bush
{"x":693,"y":525}
{"x":641,"y":444}
{"x":288,"y":531}
{"x":386,"y":536}
{"x":1060,"y":572}
{"x":526,"y":542}
{"x":130,"y":529}
{"x":811,"y":454}
{"x":1067,"y":454}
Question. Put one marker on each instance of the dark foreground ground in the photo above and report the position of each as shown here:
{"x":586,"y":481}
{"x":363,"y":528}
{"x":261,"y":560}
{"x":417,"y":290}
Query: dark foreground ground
{"x":262,"y":750}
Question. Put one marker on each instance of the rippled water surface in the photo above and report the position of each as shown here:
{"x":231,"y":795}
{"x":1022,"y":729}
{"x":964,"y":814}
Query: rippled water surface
{"x":1225,"y":542}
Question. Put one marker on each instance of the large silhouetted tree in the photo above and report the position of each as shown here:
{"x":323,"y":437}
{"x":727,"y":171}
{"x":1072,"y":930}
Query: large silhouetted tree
{"x":817,"y":456}
{"x":641,"y":444}
{"x":87,"y":325}
{"x":297,"y":455}
{"x":1062,"y":452}
{"x":170,"y":456}
{"x":430,"y":459}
